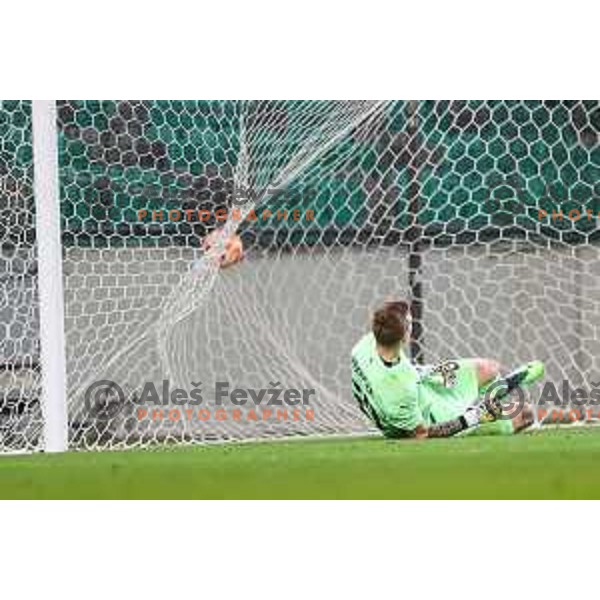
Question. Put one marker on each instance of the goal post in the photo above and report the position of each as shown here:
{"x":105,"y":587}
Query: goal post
{"x":49,"y":275}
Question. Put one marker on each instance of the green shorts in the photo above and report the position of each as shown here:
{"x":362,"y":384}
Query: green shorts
{"x":446,"y":404}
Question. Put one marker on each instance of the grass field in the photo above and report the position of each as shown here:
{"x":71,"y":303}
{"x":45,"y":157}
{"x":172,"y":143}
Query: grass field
{"x":549,"y":464}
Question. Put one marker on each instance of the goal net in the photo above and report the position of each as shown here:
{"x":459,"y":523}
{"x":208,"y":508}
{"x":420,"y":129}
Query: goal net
{"x":483,"y":214}
{"x":20,"y":373}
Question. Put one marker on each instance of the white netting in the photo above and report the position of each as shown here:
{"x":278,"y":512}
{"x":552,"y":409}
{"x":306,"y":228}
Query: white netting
{"x":20,"y":415}
{"x":436,"y":201}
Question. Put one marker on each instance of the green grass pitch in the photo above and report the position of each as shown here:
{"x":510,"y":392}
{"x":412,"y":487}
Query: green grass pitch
{"x":545,"y":464}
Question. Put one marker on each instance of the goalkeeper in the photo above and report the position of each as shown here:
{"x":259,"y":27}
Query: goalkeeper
{"x":408,"y":401}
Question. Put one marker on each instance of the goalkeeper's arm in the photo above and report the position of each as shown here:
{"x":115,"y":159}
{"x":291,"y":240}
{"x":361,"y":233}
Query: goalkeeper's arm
{"x":488,"y":409}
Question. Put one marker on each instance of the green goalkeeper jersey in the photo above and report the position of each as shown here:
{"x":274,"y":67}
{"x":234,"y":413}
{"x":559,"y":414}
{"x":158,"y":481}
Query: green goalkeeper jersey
{"x":389,"y":395}
{"x":397,"y":397}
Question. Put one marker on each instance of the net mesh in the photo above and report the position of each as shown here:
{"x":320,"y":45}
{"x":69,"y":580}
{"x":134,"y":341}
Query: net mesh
{"x":20,"y":414}
{"x":483,"y":214}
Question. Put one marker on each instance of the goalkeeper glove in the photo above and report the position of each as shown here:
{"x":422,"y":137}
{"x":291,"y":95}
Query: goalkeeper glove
{"x":485,"y":411}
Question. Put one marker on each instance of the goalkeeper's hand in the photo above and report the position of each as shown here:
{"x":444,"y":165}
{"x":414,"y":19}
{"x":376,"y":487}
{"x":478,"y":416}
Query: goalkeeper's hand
{"x":485,"y":411}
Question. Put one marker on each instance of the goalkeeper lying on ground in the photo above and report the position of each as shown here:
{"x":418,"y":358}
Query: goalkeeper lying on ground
{"x":406,"y":400}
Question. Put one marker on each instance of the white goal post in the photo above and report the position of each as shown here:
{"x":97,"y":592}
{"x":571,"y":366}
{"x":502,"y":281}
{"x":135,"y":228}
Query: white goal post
{"x":483,"y":214}
{"x":50,"y":275}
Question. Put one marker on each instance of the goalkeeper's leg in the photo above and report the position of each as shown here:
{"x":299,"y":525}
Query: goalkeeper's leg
{"x":476,"y":377}
{"x":518,"y":414}
{"x":487,"y":370}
